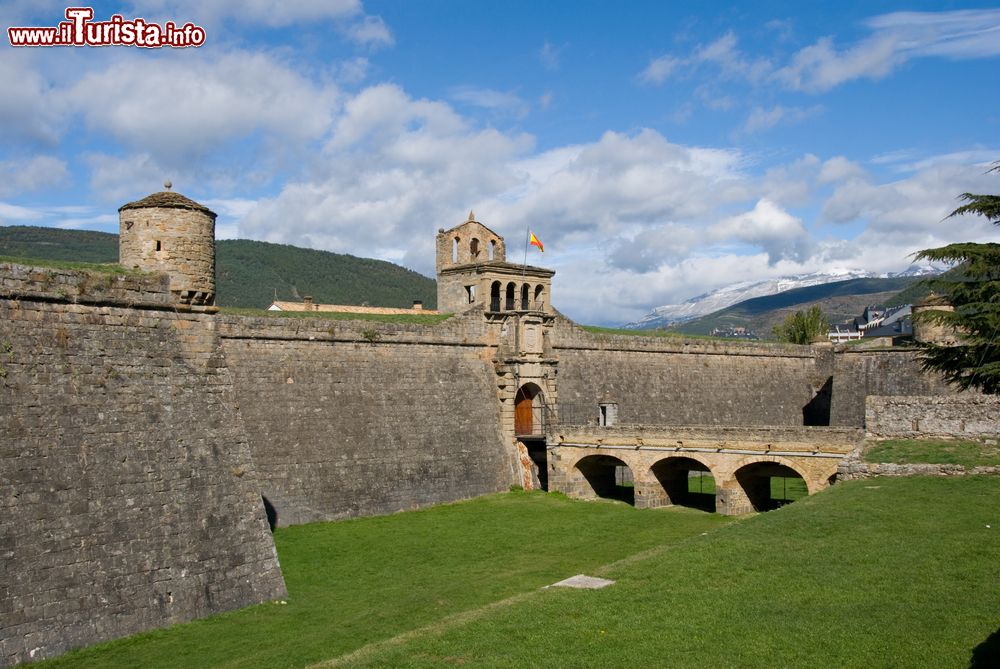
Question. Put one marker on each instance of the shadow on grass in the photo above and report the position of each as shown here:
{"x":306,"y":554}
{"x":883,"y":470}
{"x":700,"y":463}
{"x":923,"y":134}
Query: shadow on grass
{"x":987,"y":654}
{"x":703,"y":501}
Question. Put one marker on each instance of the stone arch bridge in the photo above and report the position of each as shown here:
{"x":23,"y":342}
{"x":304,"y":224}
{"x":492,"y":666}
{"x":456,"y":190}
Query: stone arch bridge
{"x":583,"y":462}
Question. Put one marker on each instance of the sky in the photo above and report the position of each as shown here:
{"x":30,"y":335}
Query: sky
{"x":658,"y":149}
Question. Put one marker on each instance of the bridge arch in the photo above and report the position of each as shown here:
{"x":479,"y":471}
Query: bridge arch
{"x":676,"y":475}
{"x":603,"y":476}
{"x":754,"y":479}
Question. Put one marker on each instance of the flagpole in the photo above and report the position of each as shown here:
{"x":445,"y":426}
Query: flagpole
{"x":527,"y":237}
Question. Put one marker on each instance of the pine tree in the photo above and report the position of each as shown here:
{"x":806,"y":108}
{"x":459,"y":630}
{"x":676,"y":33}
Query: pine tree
{"x":974,"y":292}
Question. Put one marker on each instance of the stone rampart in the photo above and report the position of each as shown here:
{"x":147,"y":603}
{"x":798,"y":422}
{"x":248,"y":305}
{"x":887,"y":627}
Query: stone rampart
{"x":674,"y":381}
{"x":348,"y":418}
{"x":965,"y":415}
{"x":129,"y":498}
{"x":890,"y":371}
{"x":109,"y":288}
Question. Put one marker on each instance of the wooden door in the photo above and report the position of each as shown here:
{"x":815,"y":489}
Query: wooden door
{"x":522,"y":413}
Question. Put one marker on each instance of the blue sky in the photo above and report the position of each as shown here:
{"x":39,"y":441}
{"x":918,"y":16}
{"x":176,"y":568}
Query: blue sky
{"x":658,"y":149}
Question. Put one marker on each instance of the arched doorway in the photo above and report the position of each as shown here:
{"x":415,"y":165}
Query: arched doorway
{"x":769,"y":485}
{"x":686,"y":482}
{"x":608,"y":477}
{"x":529,"y":411}
{"x":529,"y":428}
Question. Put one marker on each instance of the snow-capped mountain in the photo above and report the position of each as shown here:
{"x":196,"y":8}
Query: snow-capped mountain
{"x":745,"y":290}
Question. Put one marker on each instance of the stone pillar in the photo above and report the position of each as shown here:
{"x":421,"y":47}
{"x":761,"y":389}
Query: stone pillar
{"x":731,"y":500}
{"x":649,"y":494}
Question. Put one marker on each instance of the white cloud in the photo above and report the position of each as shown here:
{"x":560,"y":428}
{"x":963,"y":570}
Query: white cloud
{"x":722,"y":53}
{"x":961,"y":34}
{"x":28,"y":175}
{"x":761,"y":119}
{"x":397,"y":169}
{"x":820,"y":67}
{"x":347,"y":16}
{"x":660,"y":69}
{"x":501,"y":102}
{"x":781,"y":235}
{"x":911,"y":161}
{"x":895,"y":39}
{"x":370,"y":31}
{"x":119,"y":180}
{"x":26,"y":110}
{"x":791,"y":184}
{"x":15,"y":213}
{"x":913,"y":208}
{"x":353,"y":70}
{"x":105,"y":221}
{"x":179,"y":107}
{"x":602,"y":188}
{"x":549,"y":55}
{"x":265,"y":12}
{"x":839,"y":169}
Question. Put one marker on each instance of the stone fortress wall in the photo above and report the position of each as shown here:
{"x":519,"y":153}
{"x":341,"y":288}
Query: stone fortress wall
{"x":142,"y":430}
{"x":128,"y":495}
{"x":348,"y":418}
{"x":671,"y":381}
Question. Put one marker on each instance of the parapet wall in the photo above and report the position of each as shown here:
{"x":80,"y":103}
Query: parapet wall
{"x":129,"y":497}
{"x":348,"y":418}
{"x":966,"y":415}
{"x":109,"y":288}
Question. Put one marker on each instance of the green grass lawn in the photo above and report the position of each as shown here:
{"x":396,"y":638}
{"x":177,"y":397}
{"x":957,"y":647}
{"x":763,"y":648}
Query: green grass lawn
{"x":900,"y":572}
{"x":782,"y":488}
{"x":359,"y":581}
{"x":931,"y":451}
{"x":103,"y":268}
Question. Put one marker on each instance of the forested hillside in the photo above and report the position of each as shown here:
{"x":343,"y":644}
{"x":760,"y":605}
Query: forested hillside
{"x":249,"y":273}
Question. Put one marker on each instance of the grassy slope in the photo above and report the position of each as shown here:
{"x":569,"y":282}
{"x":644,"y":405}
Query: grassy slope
{"x":932,"y":451}
{"x":248,"y":272}
{"x":899,"y":573}
{"x":358,"y":581}
{"x":893,"y":572}
{"x":839,"y":301}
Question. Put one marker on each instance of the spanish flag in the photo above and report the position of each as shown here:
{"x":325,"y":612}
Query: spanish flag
{"x":534,"y":242}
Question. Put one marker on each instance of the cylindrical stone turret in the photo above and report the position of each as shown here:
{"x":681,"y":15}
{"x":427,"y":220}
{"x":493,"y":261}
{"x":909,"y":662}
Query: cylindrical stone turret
{"x":167,"y":232}
{"x":929,"y":332}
